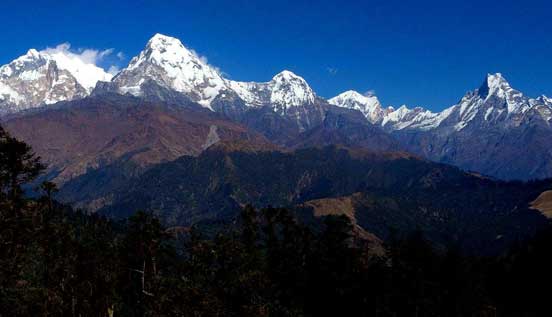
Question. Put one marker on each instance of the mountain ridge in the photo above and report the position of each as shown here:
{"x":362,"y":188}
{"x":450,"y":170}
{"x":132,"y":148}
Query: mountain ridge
{"x":481,"y":133}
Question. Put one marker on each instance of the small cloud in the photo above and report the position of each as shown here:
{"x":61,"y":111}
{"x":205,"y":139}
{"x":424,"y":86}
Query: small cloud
{"x":370,"y":93}
{"x":88,"y":55}
{"x":332,"y":70}
{"x":113,"y":70}
{"x":205,"y":61}
{"x":202,"y":58}
{"x":105,"y":53}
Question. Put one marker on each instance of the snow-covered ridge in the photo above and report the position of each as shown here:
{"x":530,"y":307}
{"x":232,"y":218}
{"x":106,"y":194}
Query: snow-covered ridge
{"x":166,"y":61}
{"x":49,"y":76}
{"x":86,"y":74}
{"x":495,"y":102}
{"x":45,"y":77}
{"x":284,"y":91}
{"x":390,"y":118}
{"x":369,"y":105}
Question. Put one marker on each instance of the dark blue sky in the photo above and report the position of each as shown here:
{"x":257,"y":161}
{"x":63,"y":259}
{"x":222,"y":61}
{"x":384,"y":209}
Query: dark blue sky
{"x":426,"y":53}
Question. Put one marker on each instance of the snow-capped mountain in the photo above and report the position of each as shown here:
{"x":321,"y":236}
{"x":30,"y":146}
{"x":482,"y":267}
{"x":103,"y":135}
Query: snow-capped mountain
{"x":166,"y":70}
{"x":484,"y":131}
{"x":169,"y":64}
{"x":494,"y":103}
{"x":287,"y":95}
{"x":286,"y":90}
{"x":41,"y":78}
{"x":369,"y":105}
{"x":166,"y":62}
{"x":389,"y":118}
{"x":494,"y":130}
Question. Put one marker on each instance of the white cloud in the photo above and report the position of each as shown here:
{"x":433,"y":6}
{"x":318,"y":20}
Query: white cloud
{"x":202,"y":58}
{"x":370,"y":93}
{"x":205,"y":61}
{"x":332,"y":70}
{"x":87,"y":65}
{"x":89,"y":56}
{"x":113,"y":70}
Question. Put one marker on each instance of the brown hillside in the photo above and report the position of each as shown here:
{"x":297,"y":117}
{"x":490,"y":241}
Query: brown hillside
{"x":543,"y":203}
{"x":93,"y":132}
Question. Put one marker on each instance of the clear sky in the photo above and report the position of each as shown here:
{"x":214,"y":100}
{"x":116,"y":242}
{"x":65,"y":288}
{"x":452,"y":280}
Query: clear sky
{"x":426,"y":53}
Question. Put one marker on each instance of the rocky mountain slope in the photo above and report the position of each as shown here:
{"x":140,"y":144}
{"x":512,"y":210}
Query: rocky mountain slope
{"x":494,"y":130}
{"x":44,"y":78}
{"x":83,"y":135}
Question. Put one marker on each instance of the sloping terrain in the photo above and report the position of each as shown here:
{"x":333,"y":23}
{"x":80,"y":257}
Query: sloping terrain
{"x":386,"y":191}
{"x":543,"y":203}
{"x":79,"y":136}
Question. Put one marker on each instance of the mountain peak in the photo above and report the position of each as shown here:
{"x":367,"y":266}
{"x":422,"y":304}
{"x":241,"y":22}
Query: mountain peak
{"x":163,"y":48}
{"x":495,"y":84}
{"x":162,"y":37}
{"x":289,"y":90}
{"x":496,"y":81}
{"x":42,"y":77}
{"x":160,"y":41}
{"x":368,"y":105}
{"x":352,"y":94}
{"x":33,"y":53}
{"x":167,"y":62}
{"x":287,"y":75}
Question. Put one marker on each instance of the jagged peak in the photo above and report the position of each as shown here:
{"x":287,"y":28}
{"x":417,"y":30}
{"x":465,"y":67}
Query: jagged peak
{"x":165,"y":51}
{"x":354,"y":95}
{"x":164,"y":43}
{"x":33,"y":53}
{"x":497,"y":80}
{"x":494,"y":84}
{"x":290,"y":90}
{"x":31,"y":56}
{"x":31,"y":59}
{"x":546,"y":99}
{"x":403,"y":108}
{"x":175,"y":67}
{"x":369,"y":105}
{"x":351,"y":93}
{"x":287,"y":75}
{"x":162,"y":37}
{"x":168,"y":48}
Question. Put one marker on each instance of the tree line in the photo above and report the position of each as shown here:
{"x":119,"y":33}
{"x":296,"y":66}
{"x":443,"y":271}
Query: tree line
{"x":56,"y":261}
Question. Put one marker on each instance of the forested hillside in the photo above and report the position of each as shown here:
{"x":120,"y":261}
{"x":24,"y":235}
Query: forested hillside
{"x":56,"y":261}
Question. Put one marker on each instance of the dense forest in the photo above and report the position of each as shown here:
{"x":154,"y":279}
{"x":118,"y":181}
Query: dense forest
{"x":57,"y":261}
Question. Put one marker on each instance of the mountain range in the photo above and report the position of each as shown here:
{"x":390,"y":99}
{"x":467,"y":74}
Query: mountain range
{"x":494,"y":130}
{"x":170,"y":134}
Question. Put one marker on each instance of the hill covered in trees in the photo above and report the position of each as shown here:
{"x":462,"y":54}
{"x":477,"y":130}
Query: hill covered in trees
{"x":265,"y":262}
{"x":383,"y":191}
